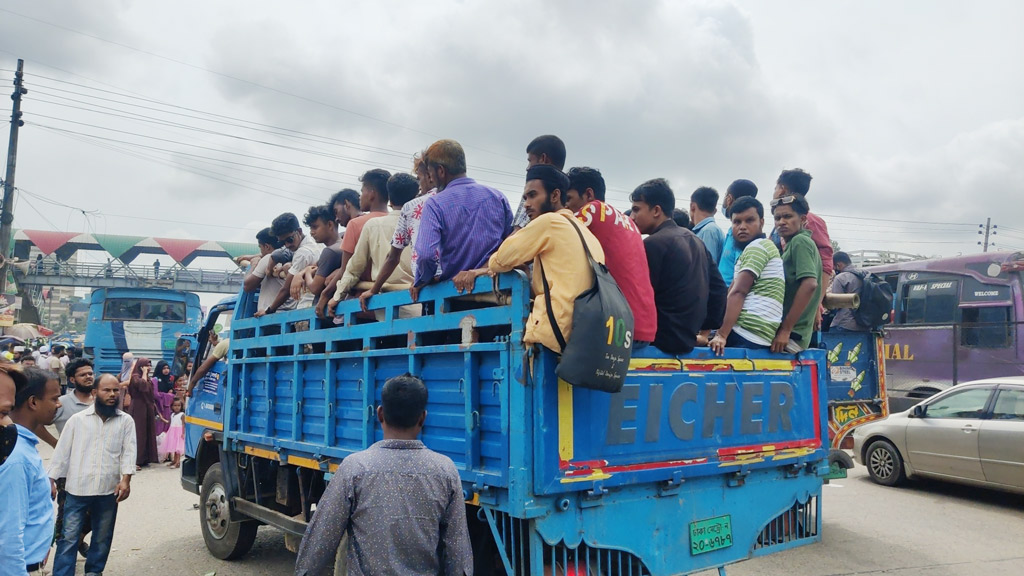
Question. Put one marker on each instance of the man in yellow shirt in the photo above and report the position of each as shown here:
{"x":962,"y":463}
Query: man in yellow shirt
{"x":549,"y":240}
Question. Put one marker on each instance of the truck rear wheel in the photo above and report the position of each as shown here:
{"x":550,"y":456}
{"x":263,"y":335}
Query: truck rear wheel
{"x":225,"y":539}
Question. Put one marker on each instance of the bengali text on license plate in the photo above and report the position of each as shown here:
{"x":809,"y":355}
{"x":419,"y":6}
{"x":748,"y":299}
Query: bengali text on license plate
{"x":711,"y":534}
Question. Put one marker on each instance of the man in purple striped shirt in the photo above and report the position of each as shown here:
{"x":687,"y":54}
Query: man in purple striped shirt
{"x":463,"y":224}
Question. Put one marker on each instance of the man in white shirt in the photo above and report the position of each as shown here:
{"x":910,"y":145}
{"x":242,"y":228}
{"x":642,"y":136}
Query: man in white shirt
{"x":261,"y":278}
{"x":96,"y":455}
{"x":305,"y":252}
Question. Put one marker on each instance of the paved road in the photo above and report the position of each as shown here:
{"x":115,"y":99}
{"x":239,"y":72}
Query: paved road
{"x":925,"y":529}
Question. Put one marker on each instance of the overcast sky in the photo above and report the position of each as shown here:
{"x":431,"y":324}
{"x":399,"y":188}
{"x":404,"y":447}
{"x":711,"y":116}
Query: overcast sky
{"x":911,"y":112}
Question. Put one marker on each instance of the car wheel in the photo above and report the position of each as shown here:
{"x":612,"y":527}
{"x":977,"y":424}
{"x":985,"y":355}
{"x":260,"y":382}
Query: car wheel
{"x":225,"y":539}
{"x":884,"y":464}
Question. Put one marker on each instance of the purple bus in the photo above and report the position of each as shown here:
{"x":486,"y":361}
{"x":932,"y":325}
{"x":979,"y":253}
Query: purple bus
{"x":954,"y":320}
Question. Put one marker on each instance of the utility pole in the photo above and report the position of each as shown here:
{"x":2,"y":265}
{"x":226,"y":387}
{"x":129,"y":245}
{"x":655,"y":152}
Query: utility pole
{"x":988,"y":230}
{"x":7,"y":209}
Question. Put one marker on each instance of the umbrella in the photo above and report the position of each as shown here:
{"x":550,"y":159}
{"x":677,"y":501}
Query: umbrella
{"x":27,"y":331}
{"x":5,"y":340}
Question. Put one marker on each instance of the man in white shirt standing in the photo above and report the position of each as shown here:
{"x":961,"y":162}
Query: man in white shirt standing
{"x":96,"y":456}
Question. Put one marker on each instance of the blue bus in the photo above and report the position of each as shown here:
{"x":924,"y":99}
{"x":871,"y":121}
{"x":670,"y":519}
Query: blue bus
{"x":154,"y":323}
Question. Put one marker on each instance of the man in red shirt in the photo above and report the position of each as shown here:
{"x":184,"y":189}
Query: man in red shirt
{"x":622,"y":244}
{"x":796,"y":181}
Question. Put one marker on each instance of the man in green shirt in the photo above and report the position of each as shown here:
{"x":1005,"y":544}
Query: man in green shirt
{"x":802,"y":265}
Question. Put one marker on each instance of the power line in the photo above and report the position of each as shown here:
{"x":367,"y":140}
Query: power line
{"x":235,"y":78}
{"x":192,"y":170}
{"x":905,"y":241}
{"x":240,"y":123}
{"x":898,"y":221}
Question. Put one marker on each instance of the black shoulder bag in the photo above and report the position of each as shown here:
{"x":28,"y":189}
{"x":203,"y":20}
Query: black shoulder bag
{"x":598,"y":351}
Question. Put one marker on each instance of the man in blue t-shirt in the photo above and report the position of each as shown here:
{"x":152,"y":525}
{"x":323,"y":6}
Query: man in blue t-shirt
{"x":703,"y":206}
{"x":26,"y":494}
{"x":730,"y":251}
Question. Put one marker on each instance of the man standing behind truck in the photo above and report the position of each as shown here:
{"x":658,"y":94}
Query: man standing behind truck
{"x":400,"y":503}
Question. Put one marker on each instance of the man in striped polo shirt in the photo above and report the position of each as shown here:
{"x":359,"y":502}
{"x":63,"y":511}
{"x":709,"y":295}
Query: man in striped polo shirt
{"x":754,"y":307}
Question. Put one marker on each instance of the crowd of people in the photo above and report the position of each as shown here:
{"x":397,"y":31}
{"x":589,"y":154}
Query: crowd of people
{"x":107,"y":429}
{"x":697,"y":286}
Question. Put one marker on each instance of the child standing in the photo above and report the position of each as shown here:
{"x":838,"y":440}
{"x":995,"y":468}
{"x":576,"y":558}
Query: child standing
{"x":174,"y":441}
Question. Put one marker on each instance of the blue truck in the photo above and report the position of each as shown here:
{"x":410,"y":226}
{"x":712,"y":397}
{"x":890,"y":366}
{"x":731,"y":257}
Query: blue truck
{"x":700,"y":461}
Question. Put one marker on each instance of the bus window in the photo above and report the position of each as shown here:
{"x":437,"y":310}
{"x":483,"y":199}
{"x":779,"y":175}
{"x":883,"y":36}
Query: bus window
{"x":913,"y":302}
{"x":987,"y":327}
{"x":930,"y":302}
{"x":122,"y":309}
{"x":942,"y":301}
{"x":135,"y":309}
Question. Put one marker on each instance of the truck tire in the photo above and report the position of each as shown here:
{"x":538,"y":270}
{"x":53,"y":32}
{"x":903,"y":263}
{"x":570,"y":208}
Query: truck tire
{"x":884,"y":463}
{"x":225,"y":539}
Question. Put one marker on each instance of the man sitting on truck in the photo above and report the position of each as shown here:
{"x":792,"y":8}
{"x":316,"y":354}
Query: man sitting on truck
{"x":688,"y":290}
{"x":324,"y":229}
{"x":802,"y":266}
{"x":621,"y":242}
{"x":375,"y":244}
{"x":405,"y":232}
{"x":551,"y":242}
{"x":345,"y":206}
{"x":261,"y":276}
{"x":730,"y":252}
{"x":304,"y":253}
{"x":462,"y":224}
{"x":754,"y":307}
{"x":400,"y":503}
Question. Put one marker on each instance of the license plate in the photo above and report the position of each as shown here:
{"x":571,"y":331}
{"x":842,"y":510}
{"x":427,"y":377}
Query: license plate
{"x":710,"y":535}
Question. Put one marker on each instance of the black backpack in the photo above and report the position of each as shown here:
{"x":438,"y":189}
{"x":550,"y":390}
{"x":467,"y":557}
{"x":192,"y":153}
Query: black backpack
{"x":599,"y":349}
{"x":875,"y":301}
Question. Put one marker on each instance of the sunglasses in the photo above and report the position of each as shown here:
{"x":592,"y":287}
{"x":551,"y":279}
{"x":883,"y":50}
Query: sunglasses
{"x":783,"y":200}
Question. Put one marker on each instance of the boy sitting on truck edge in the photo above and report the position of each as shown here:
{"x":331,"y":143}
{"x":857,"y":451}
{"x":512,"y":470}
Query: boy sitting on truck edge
{"x":345,"y":206}
{"x":802,"y":265}
{"x":261,"y":275}
{"x":324,"y":229}
{"x":400,"y":503}
{"x":374,"y":247}
{"x":754,"y":308}
{"x":405,"y":231}
{"x":305,"y":252}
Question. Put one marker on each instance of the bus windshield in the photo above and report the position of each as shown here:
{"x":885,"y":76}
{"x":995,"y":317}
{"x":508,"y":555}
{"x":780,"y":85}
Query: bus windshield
{"x":140,"y":310}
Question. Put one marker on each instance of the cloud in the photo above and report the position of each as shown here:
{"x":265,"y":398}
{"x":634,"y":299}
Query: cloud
{"x":699,"y":92}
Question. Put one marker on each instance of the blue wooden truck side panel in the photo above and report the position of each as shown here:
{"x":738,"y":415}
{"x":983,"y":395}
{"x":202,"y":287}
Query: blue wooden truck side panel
{"x":631,"y":471}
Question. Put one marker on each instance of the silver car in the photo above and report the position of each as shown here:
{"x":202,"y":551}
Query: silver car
{"x":972,"y":433}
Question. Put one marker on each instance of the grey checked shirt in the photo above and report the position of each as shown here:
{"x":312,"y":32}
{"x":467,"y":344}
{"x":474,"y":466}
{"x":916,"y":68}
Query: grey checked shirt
{"x":402,"y":508}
